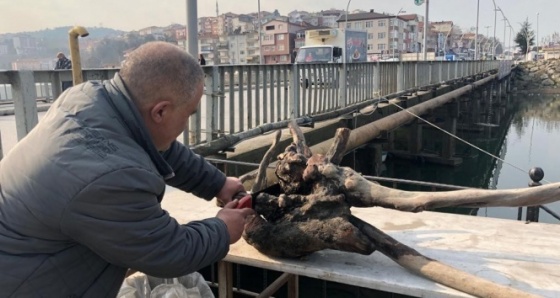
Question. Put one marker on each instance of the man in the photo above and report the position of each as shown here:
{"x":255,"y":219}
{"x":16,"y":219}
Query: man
{"x":63,"y":63}
{"x":80,"y":194}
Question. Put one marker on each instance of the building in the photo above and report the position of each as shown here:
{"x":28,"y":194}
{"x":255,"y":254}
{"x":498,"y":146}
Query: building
{"x":156,"y":32}
{"x":33,"y":64}
{"x":278,"y":41}
{"x":385,"y":33}
{"x":438,"y":37}
{"x":208,"y":46}
{"x":244,"y":48}
{"x":24,"y":44}
{"x":329,"y":17}
{"x":412,"y":36}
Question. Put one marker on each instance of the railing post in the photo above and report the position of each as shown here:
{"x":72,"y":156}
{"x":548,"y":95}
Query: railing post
{"x":400,"y":77}
{"x":431,"y":70}
{"x":294,"y":94}
{"x":536,"y":174}
{"x":25,"y":101}
{"x":377,"y":79}
{"x":342,"y":93}
{"x":212,"y":84}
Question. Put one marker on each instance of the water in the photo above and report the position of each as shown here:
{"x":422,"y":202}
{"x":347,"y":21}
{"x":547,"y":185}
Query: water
{"x":528,"y":137}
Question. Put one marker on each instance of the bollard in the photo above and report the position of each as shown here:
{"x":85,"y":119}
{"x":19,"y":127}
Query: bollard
{"x":536,"y":174}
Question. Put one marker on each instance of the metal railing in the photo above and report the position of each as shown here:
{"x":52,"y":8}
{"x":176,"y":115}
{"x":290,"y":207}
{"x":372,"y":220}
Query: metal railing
{"x":242,"y":97}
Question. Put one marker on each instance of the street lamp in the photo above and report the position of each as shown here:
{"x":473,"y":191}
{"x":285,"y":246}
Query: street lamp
{"x":476,"y":36}
{"x":494,"y":41}
{"x":397,"y":35}
{"x":260,"y":34}
{"x":426,"y":24}
{"x":537,"y":37}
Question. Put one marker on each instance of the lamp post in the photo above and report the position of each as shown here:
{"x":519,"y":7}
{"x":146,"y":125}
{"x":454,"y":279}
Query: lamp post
{"x":494,"y":41}
{"x":487,"y":38}
{"x":426,"y":24}
{"x":476,"y":36}
{"x":397,"y":35}
{"x":537,"y":42}
{"x":260,"y":34}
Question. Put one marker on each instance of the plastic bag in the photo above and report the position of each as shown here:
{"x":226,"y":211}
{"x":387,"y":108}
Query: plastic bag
{"x":135,"y":286}
{"x":173,"y":289}
{"x":140,"y":285}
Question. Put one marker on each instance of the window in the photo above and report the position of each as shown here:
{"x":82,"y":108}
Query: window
{"x":369,"y":24}
{"x":267,"y":37}
{"x":280,"y":26}
{"x":283,"y":58}
{"x":348,"y":25}
{"x":381,"y":46}
{"x":268,"y":28}
{"x":381,"y":23}
{"x":242,"y":60}
{"x":381,"y":35}
{"x":280,"y":47}
{"x":358,"y":25}
{"x":280,"y":37}
{"x":241,"y":52}
{"x":370,"y":36}
{"x":370,"y":46}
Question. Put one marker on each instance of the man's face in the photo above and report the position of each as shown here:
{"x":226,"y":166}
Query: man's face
{"x":178,"y":117}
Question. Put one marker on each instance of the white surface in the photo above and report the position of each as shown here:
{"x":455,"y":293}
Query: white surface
{"x":524,"y":256}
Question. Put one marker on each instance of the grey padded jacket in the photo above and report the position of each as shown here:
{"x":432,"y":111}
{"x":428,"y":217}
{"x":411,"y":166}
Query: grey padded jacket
{"x":80,"y":201}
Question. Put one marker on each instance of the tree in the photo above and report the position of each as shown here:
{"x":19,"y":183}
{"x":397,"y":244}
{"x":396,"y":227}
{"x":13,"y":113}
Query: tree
{"x":525,"y":38}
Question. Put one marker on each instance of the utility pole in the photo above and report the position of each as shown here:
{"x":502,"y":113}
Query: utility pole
{"x":494,"y":41}
{"x":476,"y":36}
{"x":260,"y":34}
{"x":537,"y":42}
{"x":426,"y":24}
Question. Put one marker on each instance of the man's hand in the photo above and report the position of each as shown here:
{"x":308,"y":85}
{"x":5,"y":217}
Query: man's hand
{"x":234,"y":219}
{"x":232,"y":187}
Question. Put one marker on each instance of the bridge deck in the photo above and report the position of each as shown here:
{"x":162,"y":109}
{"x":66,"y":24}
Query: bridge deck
{"x":524,"y":256}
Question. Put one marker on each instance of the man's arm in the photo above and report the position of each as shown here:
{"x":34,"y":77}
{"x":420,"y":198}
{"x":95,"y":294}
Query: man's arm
{"x":119,"y":218}
{"x":193,"y":173}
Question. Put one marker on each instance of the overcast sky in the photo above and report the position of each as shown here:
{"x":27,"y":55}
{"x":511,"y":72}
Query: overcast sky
{"x":31,"y":15}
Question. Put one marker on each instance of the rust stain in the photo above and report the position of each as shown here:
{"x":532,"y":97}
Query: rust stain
{"x":413,"y":225}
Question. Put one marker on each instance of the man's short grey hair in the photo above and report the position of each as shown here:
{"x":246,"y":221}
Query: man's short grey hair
{"x":159,"y":70}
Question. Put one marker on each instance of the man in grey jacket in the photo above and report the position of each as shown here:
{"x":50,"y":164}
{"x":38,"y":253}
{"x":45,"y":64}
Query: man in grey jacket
{"x":80,"y":194}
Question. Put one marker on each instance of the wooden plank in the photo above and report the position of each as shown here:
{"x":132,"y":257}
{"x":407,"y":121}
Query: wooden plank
{"x":524,"y":256}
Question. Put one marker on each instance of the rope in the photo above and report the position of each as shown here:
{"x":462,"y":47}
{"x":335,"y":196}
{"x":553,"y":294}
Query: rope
{"x":464,"y":141}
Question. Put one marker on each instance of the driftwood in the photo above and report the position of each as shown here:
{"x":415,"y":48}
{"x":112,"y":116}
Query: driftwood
{"x":312,"y":212}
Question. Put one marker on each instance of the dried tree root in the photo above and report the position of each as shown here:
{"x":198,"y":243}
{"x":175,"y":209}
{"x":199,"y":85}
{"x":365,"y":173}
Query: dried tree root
{"x":363,"y":193}
{"x":313,"y":213}
{"x":433,"y":269}
{"x":260,"y":181}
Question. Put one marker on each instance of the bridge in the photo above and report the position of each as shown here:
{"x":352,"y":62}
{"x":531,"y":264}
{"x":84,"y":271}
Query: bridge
{"x":245,"y":99}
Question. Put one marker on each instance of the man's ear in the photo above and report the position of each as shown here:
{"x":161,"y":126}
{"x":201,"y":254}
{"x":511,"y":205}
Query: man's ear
{"x":160,"y":110}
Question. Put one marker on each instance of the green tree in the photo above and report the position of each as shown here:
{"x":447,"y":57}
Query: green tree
{"x":525,"y":38}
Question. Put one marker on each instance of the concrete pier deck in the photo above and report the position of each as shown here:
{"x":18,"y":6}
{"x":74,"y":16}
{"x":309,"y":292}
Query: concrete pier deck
{"x":512,"y":253}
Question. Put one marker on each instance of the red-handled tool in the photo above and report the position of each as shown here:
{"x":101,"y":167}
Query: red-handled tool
{"x":246,"y":199}
{"x":245,"y":202}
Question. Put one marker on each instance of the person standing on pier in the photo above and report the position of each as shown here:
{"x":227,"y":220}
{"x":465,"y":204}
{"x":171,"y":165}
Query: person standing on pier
{"x":80,"y":194}
{"x":63,"y":63}
{"x":201,"y":60}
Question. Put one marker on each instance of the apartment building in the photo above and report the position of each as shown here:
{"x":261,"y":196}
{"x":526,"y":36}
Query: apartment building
{"x":385,"y":33}
{"x":243,"y":48}
{"x":278,"y":41}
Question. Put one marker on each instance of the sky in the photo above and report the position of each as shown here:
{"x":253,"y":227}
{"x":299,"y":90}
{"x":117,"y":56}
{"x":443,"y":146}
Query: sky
{"x":128,"y":15}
